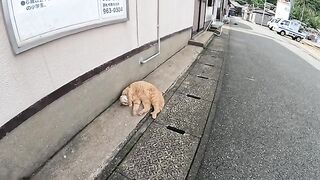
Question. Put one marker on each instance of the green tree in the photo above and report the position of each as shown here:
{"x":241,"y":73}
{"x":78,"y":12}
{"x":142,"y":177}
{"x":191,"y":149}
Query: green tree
{"x":308,"y":11}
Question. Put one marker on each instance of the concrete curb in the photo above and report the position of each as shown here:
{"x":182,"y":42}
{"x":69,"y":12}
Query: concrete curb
{"x":196,"y":164}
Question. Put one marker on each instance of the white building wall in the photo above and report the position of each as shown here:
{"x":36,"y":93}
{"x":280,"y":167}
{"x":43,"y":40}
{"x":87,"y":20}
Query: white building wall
{"x":147,"y":27}
{"x":30,"y":76}
{"x":209,"y":12}
{"x":283,"y":10}
{"x":217,"y":3}
{"x":175,"y":15}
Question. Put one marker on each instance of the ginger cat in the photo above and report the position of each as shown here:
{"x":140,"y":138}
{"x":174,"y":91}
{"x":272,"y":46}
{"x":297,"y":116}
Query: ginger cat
{"x":148,"y":94}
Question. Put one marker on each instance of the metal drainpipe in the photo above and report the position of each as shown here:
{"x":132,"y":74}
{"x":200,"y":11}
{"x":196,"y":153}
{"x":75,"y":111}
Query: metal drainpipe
{"x":158,"y":36}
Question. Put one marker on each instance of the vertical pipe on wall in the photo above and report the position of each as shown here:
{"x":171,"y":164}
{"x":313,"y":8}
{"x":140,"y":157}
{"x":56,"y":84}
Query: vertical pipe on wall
{"x":199,"y":18}
{"x":158,"y":36}
{"x":137,"y":22}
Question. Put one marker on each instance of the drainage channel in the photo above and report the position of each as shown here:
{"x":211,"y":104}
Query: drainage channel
{"x":206,"y":70}
{"x":161,"y":153}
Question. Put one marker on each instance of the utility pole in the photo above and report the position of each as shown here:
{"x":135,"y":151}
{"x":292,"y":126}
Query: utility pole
{"x":264,"y":9}
{"x":304,"y":5}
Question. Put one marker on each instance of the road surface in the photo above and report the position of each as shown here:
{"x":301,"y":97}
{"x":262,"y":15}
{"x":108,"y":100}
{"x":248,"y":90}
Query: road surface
{"x":267,"y":124}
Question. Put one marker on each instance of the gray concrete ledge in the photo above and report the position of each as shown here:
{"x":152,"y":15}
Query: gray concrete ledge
{"x":202,"y":40}
{"x":95,"y":146}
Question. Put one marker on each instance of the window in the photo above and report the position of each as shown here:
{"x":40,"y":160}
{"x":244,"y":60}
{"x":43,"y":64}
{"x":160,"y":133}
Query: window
{"x":210,"y":3}
{"x":285,"y":23}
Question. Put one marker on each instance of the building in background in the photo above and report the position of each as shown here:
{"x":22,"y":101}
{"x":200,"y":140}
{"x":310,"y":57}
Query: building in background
{"x":257,"y":14}
{"x":208,"y":11}
{"x":237,"y":9}
{"x":283,"y":9}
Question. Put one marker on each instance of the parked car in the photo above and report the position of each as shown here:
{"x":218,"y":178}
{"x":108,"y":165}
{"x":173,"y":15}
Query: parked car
{"x":292,"y":28}
{"x":268,"y":23}
{"x":272,"y":23}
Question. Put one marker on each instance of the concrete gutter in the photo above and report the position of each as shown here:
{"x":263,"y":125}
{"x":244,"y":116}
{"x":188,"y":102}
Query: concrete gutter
{"x":192,"y":174}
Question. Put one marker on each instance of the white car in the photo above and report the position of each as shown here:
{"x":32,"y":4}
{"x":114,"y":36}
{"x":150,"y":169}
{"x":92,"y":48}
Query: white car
{"x":272,"y":23}
{"x":292,"y":28}
{"x":268,"y":23}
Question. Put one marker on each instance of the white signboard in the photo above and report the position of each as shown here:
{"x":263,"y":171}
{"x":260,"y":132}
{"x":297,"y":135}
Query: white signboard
{"x":34,"y":22}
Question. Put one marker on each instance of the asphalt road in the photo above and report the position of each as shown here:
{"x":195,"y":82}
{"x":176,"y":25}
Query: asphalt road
{"x":267,"y":124}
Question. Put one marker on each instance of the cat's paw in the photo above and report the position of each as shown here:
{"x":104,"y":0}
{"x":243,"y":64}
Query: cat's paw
{"x":154,"y":115}
{"x":141,"y":113}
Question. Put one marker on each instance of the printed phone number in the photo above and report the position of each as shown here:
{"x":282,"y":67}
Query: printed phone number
{"x":112,"y":10}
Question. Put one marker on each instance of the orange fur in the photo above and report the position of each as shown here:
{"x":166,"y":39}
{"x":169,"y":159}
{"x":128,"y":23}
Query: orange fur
{"x":148,"y":94}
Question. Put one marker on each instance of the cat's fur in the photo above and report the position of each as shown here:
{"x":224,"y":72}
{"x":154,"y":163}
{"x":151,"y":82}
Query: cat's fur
{"x":148,"y":94}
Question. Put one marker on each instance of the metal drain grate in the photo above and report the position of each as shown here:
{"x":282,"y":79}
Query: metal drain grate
{"x":193,"y":96}
{"x":209,"y":65}
{"x":176,"y":130}
{"x":202,"y":77}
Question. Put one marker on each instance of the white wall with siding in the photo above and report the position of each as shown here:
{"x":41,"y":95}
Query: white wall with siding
{"x":30,"y":76}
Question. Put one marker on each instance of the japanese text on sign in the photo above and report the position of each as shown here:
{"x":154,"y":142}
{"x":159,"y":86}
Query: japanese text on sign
{"x":38,"y":21}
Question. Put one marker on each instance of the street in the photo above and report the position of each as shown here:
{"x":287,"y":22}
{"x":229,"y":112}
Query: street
{"x":267,"y":121}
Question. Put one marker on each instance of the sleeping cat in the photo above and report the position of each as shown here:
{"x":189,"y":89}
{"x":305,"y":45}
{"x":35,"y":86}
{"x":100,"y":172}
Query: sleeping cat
{"x":148,"y":94}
